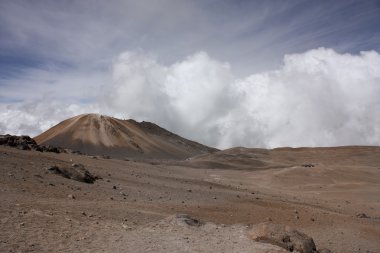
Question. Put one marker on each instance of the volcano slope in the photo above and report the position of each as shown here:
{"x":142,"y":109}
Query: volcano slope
{"x":96,"y":134}
{"x":130,"y":209}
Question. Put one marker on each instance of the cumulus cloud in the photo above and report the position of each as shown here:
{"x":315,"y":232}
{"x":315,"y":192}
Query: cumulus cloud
{"x":316,"y":98}
{"x":34,"y":117}
{"x":188,"y":97}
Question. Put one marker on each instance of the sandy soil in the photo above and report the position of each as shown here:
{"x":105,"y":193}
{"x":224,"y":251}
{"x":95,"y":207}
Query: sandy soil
{"x":131,"y":208}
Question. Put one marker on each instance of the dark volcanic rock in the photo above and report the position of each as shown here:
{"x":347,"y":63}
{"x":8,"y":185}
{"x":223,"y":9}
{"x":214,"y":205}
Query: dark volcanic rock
{"x":52,"y":149}
{"x":75,"y":172}
{"x":362,"y":215}
{"x":24,"y":142}
{"x":189,"y":220}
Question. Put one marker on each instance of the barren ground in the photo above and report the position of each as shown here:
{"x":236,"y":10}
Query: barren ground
{"x":37,"y":214}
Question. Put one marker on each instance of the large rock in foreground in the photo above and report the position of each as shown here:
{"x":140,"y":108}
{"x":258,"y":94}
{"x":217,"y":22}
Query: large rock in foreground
{"x":283,"y":236}
{"x":75,"y":172}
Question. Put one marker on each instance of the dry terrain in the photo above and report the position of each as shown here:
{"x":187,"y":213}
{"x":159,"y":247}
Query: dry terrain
{"x":331,"y":194}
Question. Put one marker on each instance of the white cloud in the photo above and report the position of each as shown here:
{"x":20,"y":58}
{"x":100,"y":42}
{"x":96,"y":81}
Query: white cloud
{"x":34,"y":117}
{"x":187,"y":97}
{"x":317,"y":98}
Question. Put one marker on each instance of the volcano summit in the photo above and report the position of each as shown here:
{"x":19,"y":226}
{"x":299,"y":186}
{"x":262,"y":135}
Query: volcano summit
{"x":96,"y":134}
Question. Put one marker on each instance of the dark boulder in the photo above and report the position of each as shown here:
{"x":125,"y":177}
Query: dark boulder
{"x":75,"y":172}
{"x":26,"y":143}
{"x":188,"y":220}
{"x":22,"y":142}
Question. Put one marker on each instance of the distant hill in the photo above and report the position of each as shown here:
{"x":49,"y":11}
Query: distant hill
{"x":96,"y":134}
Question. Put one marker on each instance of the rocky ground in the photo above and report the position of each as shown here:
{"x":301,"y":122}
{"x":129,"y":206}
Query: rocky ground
{"x":131,"y":206}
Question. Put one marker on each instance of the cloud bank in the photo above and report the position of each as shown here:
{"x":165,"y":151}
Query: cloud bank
{"x":316,"y":98}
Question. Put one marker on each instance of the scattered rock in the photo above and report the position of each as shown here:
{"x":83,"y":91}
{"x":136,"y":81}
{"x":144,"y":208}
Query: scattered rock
{"x":51,"y":149}
{"x":189,"y":220}
{"x":70,"y":196}
{"x":362,"y":215}
{"x":75,"y":172}
{"x":282,"y":236}
{"x":77,"y":152}
{"x":309,"y":165}
{"x":21,"y":142}
{"x":24,"y":142}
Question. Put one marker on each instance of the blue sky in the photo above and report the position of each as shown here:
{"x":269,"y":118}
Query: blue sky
{"x":68,"y":51}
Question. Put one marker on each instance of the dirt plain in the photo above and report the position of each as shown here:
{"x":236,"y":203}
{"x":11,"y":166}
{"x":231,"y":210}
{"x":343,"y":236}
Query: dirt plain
{"x":131,"y":208}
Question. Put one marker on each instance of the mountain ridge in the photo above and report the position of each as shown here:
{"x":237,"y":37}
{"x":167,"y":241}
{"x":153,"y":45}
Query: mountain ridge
{"x":97,"y":134}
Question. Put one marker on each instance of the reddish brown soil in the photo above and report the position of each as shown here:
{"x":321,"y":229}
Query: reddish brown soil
{"x":37,"y":214}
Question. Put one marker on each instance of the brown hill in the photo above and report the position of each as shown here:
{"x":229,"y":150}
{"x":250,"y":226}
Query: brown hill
{"x":242,"y":158}
{"x":102,"y":135}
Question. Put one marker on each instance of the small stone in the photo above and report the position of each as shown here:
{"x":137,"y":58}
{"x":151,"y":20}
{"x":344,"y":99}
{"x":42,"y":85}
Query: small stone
{"x":362,"y":215}
{"x":70,"y":196}
{"x":114,"y":187}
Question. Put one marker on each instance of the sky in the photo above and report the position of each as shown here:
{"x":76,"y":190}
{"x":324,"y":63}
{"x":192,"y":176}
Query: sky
{"x":222,"y":72}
